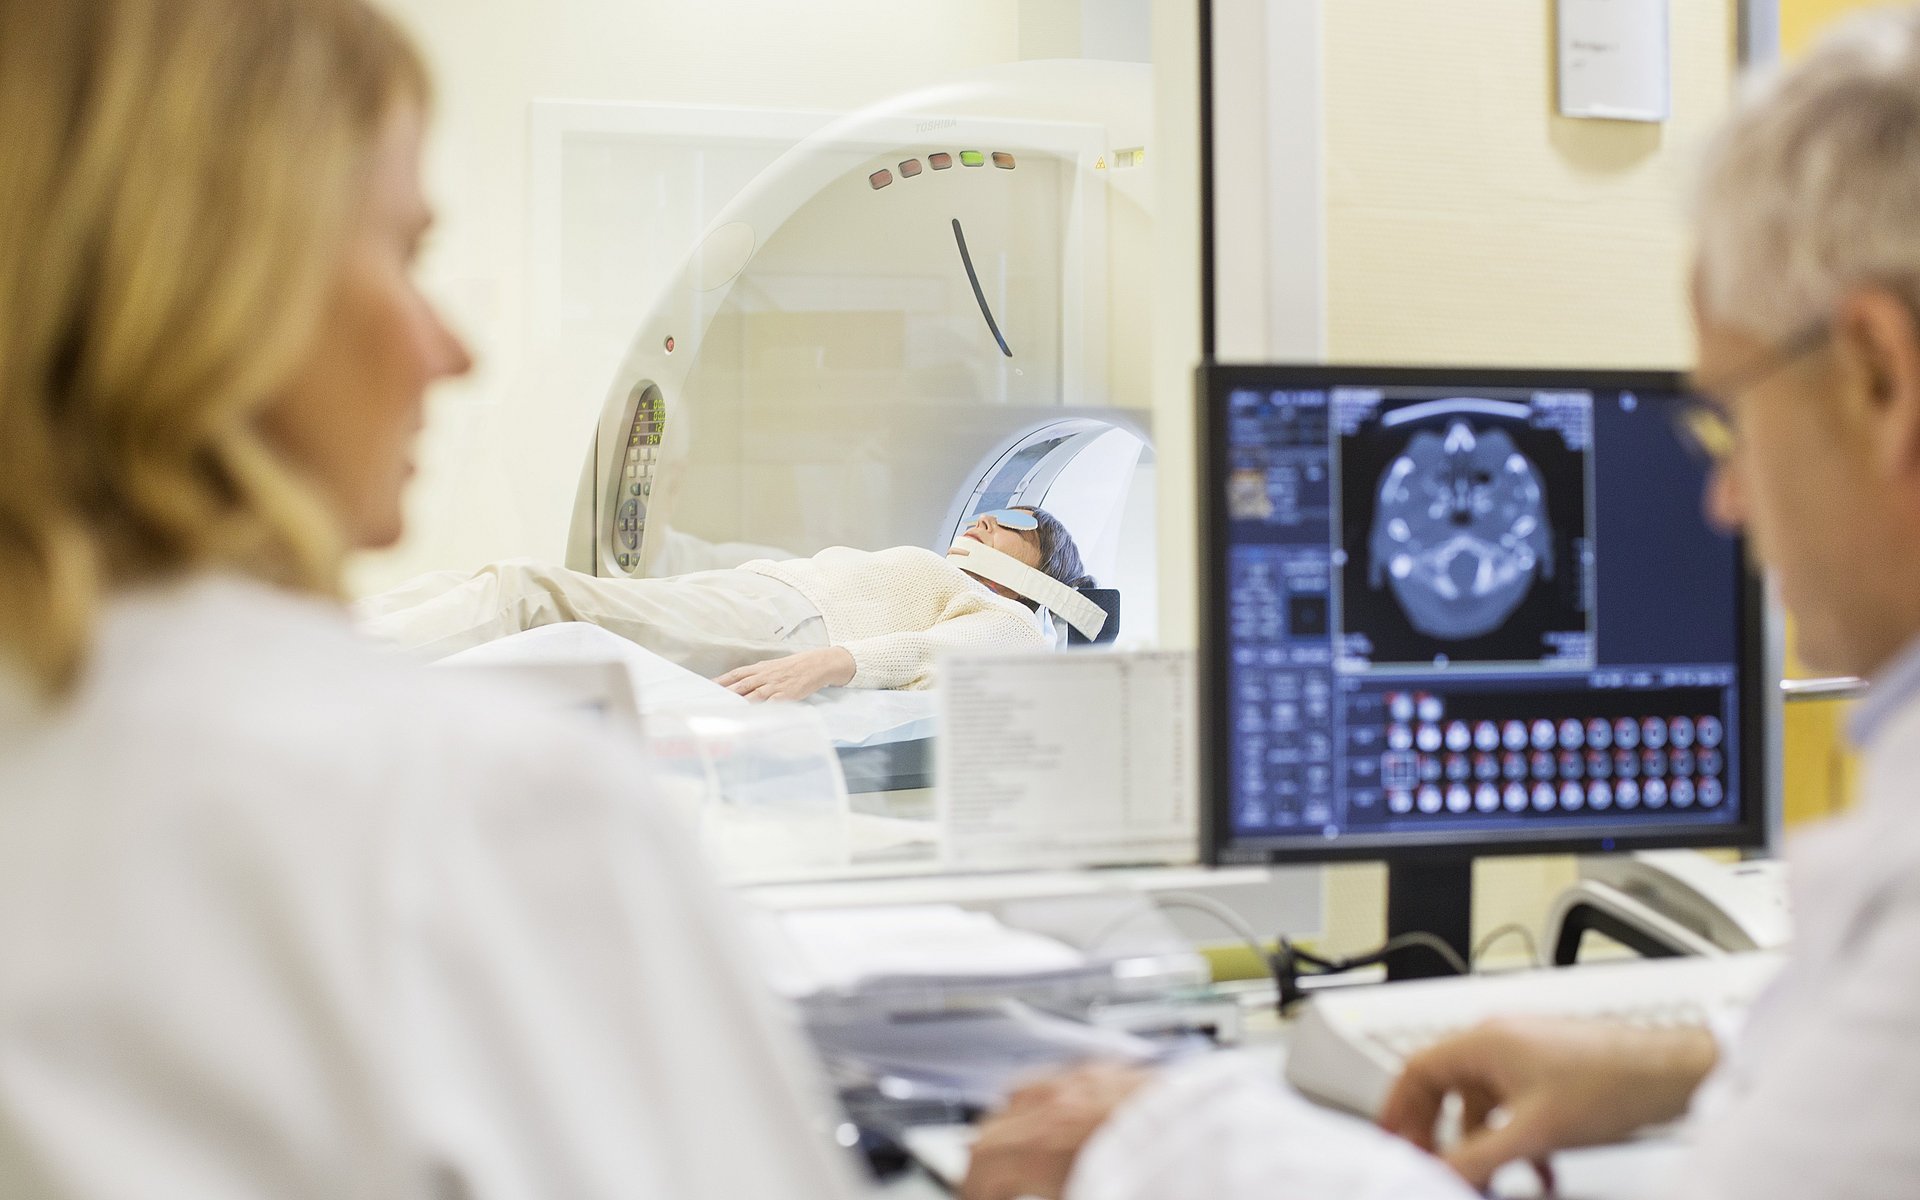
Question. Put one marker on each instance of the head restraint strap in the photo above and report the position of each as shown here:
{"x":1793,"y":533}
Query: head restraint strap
{"x":1006,"y":570}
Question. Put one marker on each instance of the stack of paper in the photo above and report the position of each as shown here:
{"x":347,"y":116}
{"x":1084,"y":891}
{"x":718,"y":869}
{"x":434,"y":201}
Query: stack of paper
{"x":847,"y":950}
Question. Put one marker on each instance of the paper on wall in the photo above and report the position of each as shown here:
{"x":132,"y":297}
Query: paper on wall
{"x":1614,"y":59}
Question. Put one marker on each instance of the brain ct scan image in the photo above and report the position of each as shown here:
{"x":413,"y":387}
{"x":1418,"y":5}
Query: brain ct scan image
{"x":1460,"y":530}
{"x":1464,"y":530}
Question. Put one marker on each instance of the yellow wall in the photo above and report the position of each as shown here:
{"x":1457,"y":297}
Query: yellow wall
{"x":1802,"y":20}
{"x":1468,"y":222}
{"x":1819,"y":769}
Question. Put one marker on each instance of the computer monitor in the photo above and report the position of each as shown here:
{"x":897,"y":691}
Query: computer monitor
{"x":1450,"y":613}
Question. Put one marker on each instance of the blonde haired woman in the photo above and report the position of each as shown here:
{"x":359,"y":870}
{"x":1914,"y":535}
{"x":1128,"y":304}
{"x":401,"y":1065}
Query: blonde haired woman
{"x":279,"y":916}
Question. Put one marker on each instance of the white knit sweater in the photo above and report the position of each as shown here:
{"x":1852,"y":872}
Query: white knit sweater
{"x":894,"y":609}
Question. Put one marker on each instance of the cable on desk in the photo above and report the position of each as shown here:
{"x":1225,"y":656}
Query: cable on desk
{"x":1202,"y":903}
{"x":1293,"y":964}
{"x":1206,"y":904}
{"x":1222,"y":913}
{"x":1510,"y":929}
{"x":1407,"y":941}
{"x":1289,"y":963}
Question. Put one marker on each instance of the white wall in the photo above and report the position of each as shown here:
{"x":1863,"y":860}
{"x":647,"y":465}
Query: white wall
{"x":503,"y":449}
{"x":1467,"y":221}
{"x":1176,"y":311}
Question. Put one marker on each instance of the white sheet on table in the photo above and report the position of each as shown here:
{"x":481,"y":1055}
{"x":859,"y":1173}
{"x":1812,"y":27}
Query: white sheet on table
{"x":853,"y":716}
{"x":659,"y":682}
{"x":865,"y":717}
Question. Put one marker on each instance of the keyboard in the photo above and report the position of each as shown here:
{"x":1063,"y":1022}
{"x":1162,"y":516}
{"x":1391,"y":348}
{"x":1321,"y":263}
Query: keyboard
{"x":1348,"y":1046}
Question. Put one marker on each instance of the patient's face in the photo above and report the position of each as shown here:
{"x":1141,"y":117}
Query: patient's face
{"x":1023,"y":544}
{"x":355,"y":409}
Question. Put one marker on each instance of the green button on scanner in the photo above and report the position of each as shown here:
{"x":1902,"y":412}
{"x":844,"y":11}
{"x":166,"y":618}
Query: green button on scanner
{"x":972,"y":158}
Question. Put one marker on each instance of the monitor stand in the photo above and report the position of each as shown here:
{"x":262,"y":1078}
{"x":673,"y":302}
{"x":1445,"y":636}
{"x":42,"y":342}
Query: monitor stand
{"x":1434,"y":896}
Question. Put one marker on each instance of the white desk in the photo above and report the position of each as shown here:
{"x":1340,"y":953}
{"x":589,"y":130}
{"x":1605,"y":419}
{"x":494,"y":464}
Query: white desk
{"x":1632,"y":1172}
{"x":914,"y":1185}
{"x":1628,"y":1172}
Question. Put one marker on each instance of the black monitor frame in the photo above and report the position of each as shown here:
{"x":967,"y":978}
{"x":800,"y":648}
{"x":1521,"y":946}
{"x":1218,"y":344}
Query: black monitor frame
{"x":1215,"y":382}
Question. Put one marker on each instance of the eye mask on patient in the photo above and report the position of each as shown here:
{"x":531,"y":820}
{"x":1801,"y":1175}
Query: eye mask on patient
{"x":1038,"y":586}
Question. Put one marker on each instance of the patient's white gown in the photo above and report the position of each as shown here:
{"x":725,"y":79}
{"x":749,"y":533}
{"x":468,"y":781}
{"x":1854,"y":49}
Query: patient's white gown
{"x":893,"y":610}
{"x":709,"y":622}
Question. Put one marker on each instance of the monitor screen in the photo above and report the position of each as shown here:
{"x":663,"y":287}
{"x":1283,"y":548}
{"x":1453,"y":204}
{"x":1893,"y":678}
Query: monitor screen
{"x":1470,"y":612}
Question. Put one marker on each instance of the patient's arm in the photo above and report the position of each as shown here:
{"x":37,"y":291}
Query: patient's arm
{"x":972,"y":621}
{"x":794,"y":677}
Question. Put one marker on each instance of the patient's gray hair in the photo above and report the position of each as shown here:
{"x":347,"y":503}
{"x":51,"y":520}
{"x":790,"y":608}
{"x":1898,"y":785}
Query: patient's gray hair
{"x":1813,"y":185}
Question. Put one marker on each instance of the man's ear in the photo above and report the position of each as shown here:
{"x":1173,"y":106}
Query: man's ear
{"x":1879,"y":343}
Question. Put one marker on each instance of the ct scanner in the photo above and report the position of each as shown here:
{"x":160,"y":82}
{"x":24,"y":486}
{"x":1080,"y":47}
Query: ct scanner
{"x":928,"y":309}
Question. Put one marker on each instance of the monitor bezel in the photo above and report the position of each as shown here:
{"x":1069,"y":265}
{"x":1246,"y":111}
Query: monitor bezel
{"x":1214,"y":382}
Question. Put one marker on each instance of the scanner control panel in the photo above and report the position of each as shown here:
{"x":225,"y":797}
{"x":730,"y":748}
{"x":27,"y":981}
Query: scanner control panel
{"x":633,"y":481}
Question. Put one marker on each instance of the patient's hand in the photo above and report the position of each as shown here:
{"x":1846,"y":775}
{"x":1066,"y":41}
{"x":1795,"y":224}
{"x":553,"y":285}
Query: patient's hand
{"x":794,"y":677}
{"x":1028,"y":1147}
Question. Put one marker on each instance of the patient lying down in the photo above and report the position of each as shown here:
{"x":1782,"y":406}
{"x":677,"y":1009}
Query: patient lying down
{"x":775,"y":630}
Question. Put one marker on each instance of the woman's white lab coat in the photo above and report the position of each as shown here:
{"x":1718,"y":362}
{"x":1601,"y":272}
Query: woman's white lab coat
{"x":282,"y":917}
{"x":1819,"y":1096}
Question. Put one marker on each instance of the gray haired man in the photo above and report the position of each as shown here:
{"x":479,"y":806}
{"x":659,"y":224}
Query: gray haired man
{"x":1806,"y":290}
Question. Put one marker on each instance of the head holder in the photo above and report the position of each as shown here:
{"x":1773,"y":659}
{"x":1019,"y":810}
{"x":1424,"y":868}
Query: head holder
{"x":978,"y":558}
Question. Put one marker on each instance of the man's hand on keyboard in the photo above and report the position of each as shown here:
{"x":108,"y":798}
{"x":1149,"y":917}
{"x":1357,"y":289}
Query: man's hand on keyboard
{"x":1555,"y":1083}
{"x":1028,"y":1147}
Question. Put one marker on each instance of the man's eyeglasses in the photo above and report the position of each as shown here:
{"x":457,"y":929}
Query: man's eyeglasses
{"x":1704,"y":424}
{"x":1703,"y":428}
